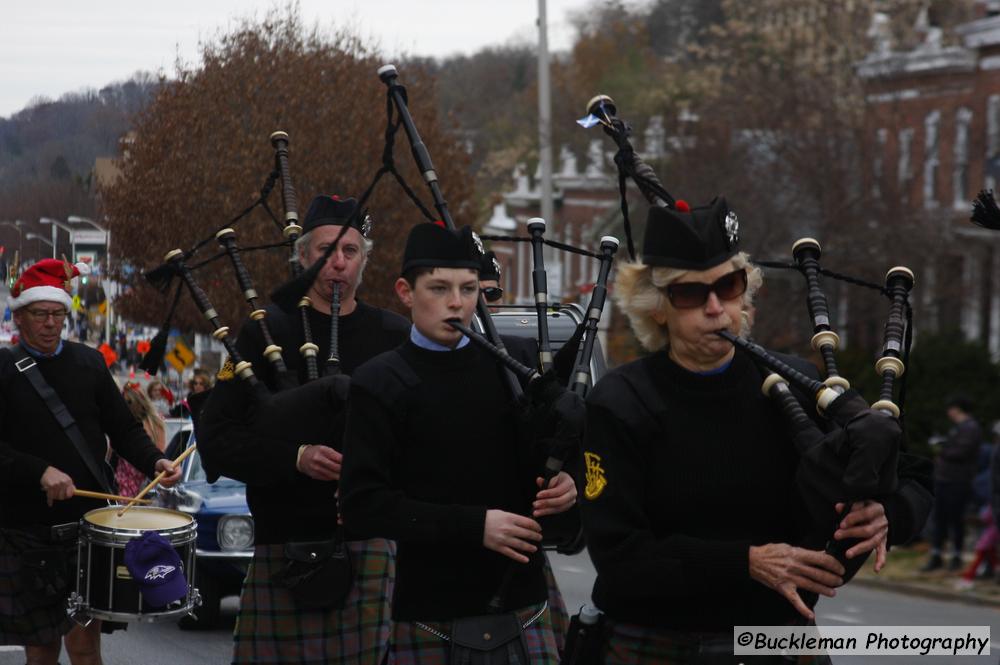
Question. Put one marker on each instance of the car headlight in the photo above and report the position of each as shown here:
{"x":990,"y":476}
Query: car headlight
{"x":235,"y":532}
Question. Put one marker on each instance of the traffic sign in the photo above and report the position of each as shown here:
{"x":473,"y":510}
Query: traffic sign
{"x":175,"y":362}
{"x":89,"y":237}
{"x":180,"y":356}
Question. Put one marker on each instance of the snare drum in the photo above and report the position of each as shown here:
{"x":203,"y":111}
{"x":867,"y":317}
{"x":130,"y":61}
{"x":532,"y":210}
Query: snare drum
{"x":104,"y":587}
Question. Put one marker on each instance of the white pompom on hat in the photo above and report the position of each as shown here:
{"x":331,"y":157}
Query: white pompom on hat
{"x":48,"y":280}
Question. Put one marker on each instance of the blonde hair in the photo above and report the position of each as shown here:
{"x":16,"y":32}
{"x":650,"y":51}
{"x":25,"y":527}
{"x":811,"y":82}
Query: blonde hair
{"x":142,"y":408}
{"x":639,"y":291}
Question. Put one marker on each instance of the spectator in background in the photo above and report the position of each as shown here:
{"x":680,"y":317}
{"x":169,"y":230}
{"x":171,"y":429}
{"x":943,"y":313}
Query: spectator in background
{"x":130,"y":479}
{"x":995,"y":477}
{"x":200,"y":382}
{"x":954,"y":470}
{"x":161,"y":397}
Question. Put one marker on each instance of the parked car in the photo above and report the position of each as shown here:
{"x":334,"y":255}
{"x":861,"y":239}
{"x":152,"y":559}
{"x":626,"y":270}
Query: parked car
{"x":225,"y":539}
{"x":562,"y":322}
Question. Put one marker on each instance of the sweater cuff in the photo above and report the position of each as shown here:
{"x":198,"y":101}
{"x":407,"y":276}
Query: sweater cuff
{"x":470,"y":524}
{"x":151,"y":472}
{"x":728,"y":561}
{"x":35,"y":468}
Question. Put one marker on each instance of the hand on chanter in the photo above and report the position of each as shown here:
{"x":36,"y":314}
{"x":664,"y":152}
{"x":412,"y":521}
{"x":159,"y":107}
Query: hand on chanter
{"x":558,"y":497}
{"x":57,"y":485}
{"x":173,"y":475}
{"x":511,"y":534}
{"x":786,"y":569}
{"x":320,"y":463}
{"x":867,"y":522}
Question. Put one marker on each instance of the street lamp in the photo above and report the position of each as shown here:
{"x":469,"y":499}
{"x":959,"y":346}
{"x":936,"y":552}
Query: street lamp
{"x":68,"y":229}
{"x":76,"y":219}
{"x":35,"y":236}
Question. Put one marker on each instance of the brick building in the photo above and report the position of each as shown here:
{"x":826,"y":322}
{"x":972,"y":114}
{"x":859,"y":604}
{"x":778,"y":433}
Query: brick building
{"x":934,"y":123}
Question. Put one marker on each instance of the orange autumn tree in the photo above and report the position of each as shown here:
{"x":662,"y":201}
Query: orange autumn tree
{"x":200,"y":152}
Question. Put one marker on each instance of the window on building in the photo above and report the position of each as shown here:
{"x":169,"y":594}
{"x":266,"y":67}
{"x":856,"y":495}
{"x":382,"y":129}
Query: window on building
{"x":904,"y":169}
{"x":992,"y":139}
{"x":931,"y":158}
{"x":960,"y":170}
{"x":881,"y":138}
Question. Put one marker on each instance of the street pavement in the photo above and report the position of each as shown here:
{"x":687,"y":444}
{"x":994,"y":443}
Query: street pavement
{"x":166,"y":644}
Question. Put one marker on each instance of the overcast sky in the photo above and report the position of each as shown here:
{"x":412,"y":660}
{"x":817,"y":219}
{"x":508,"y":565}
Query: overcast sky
{"x":51,"y":47}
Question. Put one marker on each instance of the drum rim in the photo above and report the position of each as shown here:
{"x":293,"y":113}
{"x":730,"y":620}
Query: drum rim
{"x":139,"y":510}
{"x":92,"y":532}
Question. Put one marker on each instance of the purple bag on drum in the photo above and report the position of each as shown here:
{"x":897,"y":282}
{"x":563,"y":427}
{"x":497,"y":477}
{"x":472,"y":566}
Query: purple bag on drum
{"x":156,"y":568}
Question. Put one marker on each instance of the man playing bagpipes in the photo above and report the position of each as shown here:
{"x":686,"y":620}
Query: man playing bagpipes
{"x":451,"y":481}
{"x":287,"y":451}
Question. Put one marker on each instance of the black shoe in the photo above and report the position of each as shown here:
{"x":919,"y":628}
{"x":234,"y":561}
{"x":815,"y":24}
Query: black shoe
{"x":955,"y":563}
{"x":934,"y":563}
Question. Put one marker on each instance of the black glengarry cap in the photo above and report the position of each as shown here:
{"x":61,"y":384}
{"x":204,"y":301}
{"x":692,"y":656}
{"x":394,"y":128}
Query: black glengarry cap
{"x":489,"y":267}
{"x":434,"y":246}
{"x":691,"y":238}
{"x":332,"y":210}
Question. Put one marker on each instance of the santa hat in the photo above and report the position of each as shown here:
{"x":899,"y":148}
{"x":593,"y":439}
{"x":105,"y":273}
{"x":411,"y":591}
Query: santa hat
{"x":47,"y":280}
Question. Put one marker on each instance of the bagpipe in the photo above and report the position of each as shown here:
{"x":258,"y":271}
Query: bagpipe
{"x":563,"y":407}
{"x":289,"y":406}
{"x":854,"y":456}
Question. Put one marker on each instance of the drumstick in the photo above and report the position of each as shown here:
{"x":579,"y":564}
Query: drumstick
{"x":153,"y":483}
{"x":109,"y":497}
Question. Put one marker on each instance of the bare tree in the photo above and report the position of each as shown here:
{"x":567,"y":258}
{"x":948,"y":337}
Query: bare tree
{"x":200,"y":153}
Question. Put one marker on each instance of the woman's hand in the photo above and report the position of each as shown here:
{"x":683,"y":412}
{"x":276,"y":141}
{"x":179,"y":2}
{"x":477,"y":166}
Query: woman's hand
{"x":867,"y":522}
{"x":786,"y":569}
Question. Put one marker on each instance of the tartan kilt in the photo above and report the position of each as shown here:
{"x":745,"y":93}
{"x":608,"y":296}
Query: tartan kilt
{"x":270,"y":629}
{"x":35,"y":627}
{"x":557,"y":607}
{"x":631,"y":644}
{"x":412,"y":645}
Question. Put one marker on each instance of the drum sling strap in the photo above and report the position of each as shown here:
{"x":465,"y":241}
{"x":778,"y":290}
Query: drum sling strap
{"x":28,"y":368}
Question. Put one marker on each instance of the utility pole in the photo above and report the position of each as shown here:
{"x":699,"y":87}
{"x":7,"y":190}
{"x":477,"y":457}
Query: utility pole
{"x":545,"y":123}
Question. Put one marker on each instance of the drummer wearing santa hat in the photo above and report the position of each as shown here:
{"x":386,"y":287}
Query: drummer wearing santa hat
{"x":59,"y":406}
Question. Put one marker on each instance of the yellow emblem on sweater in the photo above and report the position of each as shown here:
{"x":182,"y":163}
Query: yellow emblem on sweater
{"x":596,"y":482}
{"x":227,"y":372}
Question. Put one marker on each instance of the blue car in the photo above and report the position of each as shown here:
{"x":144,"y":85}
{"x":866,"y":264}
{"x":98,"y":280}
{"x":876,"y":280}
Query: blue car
{"x":225,"y":529}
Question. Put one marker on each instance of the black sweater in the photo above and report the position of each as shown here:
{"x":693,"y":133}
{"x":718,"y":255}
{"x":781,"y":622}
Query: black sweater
{"x":677,"y":489}
{"x":286,"y":504}
{"x":424,"y":460}
{"x":31,"y":439}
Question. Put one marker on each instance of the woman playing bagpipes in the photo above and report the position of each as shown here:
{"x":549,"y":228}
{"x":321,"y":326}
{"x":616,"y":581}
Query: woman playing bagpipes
{"x":691,"y":509}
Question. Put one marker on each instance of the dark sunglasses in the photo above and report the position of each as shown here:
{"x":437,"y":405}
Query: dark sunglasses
{"x":492,"y":293}
{"x":688,"y":295}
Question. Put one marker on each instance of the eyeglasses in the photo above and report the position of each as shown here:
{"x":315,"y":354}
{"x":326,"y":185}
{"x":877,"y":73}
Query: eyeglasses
{"x":688,"y":295}
{"x":41,"y":315}
{"x":492,"y":293}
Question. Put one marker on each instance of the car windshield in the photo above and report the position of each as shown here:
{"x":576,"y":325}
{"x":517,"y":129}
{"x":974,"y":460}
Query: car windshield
{"x":197,"y":471}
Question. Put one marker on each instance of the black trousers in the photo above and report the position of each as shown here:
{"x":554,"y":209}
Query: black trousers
{"x":950,"y":500}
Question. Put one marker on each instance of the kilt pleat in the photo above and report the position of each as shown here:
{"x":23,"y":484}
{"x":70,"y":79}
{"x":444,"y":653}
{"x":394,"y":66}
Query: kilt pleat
{"x":413,"y":645}
{"x":557,"y":607}
{"x":270,"y":629}
{"x":35,"y":627}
